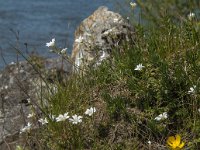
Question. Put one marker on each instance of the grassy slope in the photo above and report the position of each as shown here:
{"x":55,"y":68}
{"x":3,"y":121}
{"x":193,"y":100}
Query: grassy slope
{"x":127,"y":100}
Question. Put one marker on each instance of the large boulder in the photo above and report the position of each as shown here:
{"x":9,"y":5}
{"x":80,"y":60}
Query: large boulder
{"x":97,"y":35}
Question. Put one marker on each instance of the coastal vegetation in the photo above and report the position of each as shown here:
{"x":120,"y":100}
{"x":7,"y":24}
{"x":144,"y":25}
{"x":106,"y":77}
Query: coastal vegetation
{"x":144,"y":97}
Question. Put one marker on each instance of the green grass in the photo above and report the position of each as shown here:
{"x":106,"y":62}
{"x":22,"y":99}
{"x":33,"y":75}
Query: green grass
{"x":127,"y":100}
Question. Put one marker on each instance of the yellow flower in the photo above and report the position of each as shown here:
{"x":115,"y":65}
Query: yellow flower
{"x":175,"y":143}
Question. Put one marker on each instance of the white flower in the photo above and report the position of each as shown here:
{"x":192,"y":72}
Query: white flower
{"x":62,"y":117}
{"x":30,"y":115}
{"x":199,"y":110}
{"x":192,"y":90}
{"x":76,"y":119}
{"x":149,"y":142}
{"x":28,"y":125}
{"x":133,"y":5}
{"x":43,"y":121}
{"x":51,"y":43}
{"x":139,"y":67}
{"x":191,"y":15}
{"x":161,"y":116}
{"x":66,"y":115}
{"x":26,"y":128}
{"x":90,"y":111}
{"x":63,"y":51}
{"x":79,"y":40}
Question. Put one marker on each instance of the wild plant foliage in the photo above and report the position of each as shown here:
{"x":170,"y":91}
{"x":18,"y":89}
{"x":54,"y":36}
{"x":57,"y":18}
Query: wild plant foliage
{"x":146,"y":97}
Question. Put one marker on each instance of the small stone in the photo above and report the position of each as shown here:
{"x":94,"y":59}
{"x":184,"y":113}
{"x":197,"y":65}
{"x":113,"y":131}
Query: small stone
{"x":12,"y":63}
{"x":21,"y":71}
{"x":6,"y":97}
{"x":1,"y":114}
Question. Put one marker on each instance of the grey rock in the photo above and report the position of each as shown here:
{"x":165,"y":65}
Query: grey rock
{"x":19,"y":84}
{"x":98,"y":34}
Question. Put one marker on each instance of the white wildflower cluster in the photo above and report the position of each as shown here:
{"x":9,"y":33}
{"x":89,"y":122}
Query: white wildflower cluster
{"x":31,"y":115}
{"x":149,"y":142}
{"x":191,"y":16}
{"x":63,"y":51}
{"x":161,"y":116}
{"x":133,"y":5}
{"x":90,"y":111}
{"x":62,"y":117}
{"x":26,"y":128}
{"x":78,"y":119}
{"x":79,"y":40}
{"x":139,"y":67}
{"x":192,"y":89}
{"x":74,"y":119}
{"x":43,"y":121}
{"x":52,"y":45}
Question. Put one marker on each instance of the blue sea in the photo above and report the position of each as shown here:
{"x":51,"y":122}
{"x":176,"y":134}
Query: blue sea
{"x":29,"y":24}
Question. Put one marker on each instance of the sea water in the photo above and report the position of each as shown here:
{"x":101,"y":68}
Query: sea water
{"x":27,"y":25}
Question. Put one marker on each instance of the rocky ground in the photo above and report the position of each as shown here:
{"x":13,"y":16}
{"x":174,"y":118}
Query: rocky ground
{"x":96,"y":36}
{"x":18,"y":88}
